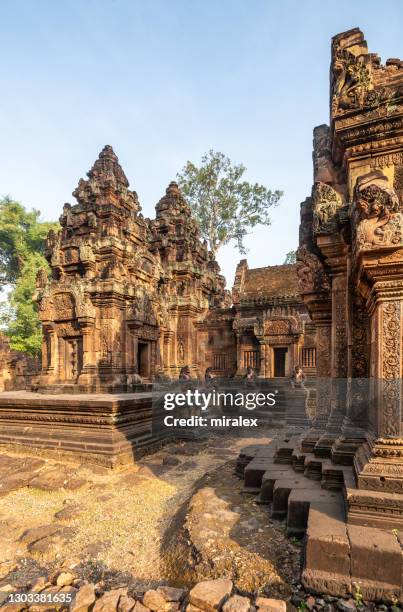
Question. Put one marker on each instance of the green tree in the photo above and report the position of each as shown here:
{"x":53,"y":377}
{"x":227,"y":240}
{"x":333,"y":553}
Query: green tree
{"x":22,"y":248}
{"x":225,"y":206}
{"x":291,"y":257}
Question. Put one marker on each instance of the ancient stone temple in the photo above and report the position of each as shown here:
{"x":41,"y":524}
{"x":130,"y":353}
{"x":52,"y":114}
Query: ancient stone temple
{"x":272,"y":326}
{"x":125,"y":292}
{"x":267,"y":327}
{"x":341,"y":482}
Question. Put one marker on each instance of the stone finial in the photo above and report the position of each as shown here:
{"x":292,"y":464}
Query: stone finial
{"x":173,"y":189}
{"x":173,"y":203}
{"x":106,"y":183}
{"x":108,"y":164}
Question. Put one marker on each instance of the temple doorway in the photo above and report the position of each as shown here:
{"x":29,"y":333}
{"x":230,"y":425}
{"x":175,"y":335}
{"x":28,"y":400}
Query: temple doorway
{"x":280,"y":355}
{"x":143,"y":359}
{"x":72,"y":358}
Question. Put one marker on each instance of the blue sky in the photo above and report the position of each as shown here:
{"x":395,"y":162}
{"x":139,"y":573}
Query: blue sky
{"x":163,"y":82}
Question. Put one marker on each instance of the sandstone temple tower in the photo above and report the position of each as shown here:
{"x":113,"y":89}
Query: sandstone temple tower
{"x":125,"y":292}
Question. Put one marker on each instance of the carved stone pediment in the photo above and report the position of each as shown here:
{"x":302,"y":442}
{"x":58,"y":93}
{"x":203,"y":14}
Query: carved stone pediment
{"x":63,"y":306}
{"x":69,"y":304}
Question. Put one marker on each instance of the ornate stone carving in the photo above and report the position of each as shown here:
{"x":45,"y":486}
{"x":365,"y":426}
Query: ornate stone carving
{"x":312,"y":276}
{"x":386,"y":160}
{"x":63,"y":304}
{"x":326,"y":204}
{"x":390,"y":384}
{"x":351,"y":79}
{"x":360,"y":340}
{"x":377,"y":213}
{"x":277,"y":327}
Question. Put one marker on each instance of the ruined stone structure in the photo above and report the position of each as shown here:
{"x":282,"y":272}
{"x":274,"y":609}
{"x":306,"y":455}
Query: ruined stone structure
{"x":341,"y":482}
{"x":125,"y":292}
{"x":18,"y":370}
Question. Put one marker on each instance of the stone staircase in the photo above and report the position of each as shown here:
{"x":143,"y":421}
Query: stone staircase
{"x":321,"y":502}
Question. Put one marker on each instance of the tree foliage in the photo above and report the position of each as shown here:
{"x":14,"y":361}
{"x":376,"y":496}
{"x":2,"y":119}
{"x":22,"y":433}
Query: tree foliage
{"x":225,"y":206}
{"x":291,"y":257}
{"x":22,"y":247}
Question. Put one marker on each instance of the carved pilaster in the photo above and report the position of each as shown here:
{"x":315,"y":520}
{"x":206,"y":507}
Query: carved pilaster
{"x":379,"y":462}
{"x":334,"y":249}
{"x":323,"y":386}
{"x":356,"y":421}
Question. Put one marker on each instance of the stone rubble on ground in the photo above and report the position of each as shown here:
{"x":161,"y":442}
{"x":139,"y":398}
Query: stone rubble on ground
{"x":207,"y":596}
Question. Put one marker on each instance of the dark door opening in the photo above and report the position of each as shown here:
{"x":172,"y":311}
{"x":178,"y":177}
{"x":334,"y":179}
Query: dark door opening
{"x":279,"y":361}
{"x":143,"y":359}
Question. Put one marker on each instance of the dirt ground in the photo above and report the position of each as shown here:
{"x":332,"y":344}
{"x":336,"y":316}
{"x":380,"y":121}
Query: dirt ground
{"x":130,"y":525}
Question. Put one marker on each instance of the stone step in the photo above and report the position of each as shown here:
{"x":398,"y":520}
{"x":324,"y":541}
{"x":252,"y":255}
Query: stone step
{"x":327,"y":551}
{"x":298,"y":461}
{"x":299,"y":502}
{"x":269,"y":479}
{"x":339,"y":551}
{"x":376,"y":563}
{"x":285,"y":450}
{"x":282,"y":490}
{"x":334,"y":476}
{"x":312,"y":467}
{"x":253,"y":472}
{"x":338,"y":556}
{"x":250,"y":452}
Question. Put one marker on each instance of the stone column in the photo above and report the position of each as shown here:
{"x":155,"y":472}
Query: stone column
{"x":378,"y":463}
{"x":168,"y":361}
{"x":50,"y":356}
{"x":356,"y":420}
{"x":88,"y":373}
{"x":263,"y":350}
{"x":238,"y":351}
{"x":323,"y":384}
{"x":338,"y":366}
{"x":135,"y":346}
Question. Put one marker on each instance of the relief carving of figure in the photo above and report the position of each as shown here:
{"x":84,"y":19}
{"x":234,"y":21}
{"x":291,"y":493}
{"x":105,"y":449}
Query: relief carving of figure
{"x":114,"y":270}
{"x":326,"y":203}
{"x":86,"y":253}
{"x":377,"y":214}
{"x":351,"y":80}
{"x":181,"y":351}
{"x":310,"y":271}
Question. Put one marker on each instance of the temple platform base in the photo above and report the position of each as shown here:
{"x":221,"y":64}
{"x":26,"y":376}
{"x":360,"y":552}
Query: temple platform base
{"x":105,"y":429}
